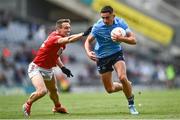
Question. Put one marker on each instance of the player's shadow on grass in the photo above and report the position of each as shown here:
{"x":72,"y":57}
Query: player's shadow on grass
{"x":101,"y":113}
{"x":48,"y":116}
{"x":76,"y":114}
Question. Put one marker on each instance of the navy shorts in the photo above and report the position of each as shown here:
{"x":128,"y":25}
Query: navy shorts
{"x":106,"y":64}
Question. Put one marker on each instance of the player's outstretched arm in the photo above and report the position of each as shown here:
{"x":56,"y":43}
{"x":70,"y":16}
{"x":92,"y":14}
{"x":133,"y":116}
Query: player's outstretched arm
{"x":70,"y":39}
{"x":75,"y":37}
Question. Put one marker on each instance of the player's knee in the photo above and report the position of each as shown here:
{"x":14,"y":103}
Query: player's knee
{"x":109,"y":90}
{"x":42,"y":92}
{"x":123,"y":79}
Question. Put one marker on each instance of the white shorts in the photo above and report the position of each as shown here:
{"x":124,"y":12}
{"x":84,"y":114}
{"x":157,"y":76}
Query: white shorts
{"x":33,"y":70}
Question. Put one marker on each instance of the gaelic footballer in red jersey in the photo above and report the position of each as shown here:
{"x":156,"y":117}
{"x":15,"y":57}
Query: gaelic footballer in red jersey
{"x":54,"y":50}
{"x":48,"y":56}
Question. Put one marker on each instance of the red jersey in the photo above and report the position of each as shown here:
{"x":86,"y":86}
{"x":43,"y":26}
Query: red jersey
{"x":47,"y":54}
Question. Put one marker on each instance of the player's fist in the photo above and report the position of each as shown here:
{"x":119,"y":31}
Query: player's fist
{"x":67,"y":72}
{"x":92,"y":56}
{"x":87,"y":31}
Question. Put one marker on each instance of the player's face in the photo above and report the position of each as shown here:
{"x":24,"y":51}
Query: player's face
{"x":65,"y":29}
{"x":107,"y":18}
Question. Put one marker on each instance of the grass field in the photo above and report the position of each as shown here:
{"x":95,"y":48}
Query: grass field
{"x":154,"y":105}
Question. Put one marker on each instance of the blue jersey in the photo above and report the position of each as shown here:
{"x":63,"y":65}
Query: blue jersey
{"x":102,"y":33}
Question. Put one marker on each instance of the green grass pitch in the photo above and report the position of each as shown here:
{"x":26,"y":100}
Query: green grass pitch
{"x":155,"y":104}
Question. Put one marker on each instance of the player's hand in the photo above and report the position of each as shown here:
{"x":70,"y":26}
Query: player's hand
{"x":87,"y":31}
{"x":114,"y":37}
{"x":117,"y":38}
{"x":92,"y":56}
{"x":67,"y":72}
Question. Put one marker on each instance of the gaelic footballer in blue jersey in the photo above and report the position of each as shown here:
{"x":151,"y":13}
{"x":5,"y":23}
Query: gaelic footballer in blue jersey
{"x":108,"y":53}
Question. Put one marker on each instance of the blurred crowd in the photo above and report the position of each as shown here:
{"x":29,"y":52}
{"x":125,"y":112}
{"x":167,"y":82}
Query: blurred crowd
{"x":19,"y":41}
{"x":150,"y":72}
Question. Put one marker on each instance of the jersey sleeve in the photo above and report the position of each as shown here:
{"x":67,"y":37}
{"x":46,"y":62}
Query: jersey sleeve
{"x":52,"y":40}
{"x":55,"y":39}
{"x":94,"y":31}
{"x":125,"y":26}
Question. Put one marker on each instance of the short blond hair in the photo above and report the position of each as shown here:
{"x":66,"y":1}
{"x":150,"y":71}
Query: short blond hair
{"x":60,"y":21}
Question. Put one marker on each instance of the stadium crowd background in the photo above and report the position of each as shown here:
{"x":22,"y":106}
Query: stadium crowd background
{"x":149,"y":64}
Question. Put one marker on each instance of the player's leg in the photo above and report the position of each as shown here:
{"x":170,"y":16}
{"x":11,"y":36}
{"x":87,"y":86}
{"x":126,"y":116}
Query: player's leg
{"x":53,"y":93}
{"x":108,"y":84}
{"x":41,"y":90}
{"x":120,"y":68}
{"x":105,"y":69}
{"x":40,"y":87}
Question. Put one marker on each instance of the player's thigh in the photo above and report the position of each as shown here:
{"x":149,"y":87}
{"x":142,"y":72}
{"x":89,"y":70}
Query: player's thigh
{"x":38,"y":82}
{"x":107,"y":79}
{"x":120,"y":68}
{"x":36,"y":77}
{"x":51,"y":84}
